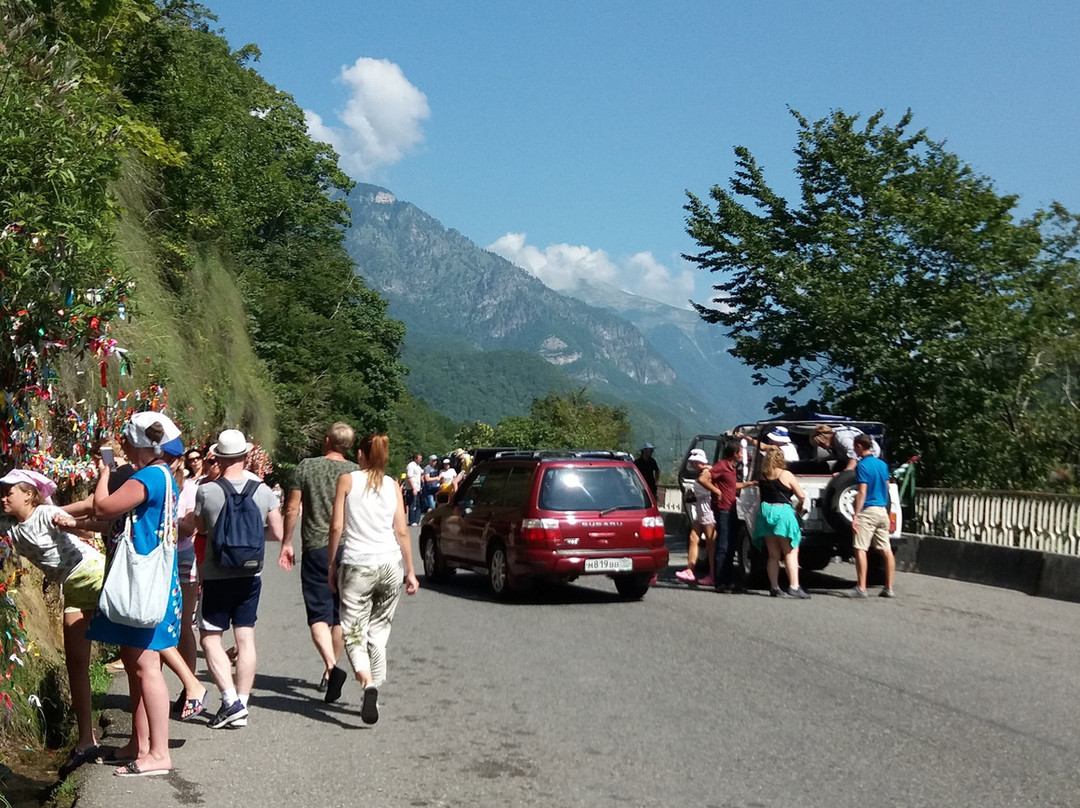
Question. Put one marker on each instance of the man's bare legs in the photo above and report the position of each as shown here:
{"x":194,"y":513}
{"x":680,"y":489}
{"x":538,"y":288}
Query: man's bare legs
{"x":862,"y":564}
{"x":217,"y":660}
{"x":245,"y":660}
{"x":329,"y":642}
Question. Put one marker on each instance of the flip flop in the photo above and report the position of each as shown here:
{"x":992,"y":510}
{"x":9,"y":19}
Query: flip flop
{"x":91,"y":754}
{"x":334,"y":683}
{"x":193,"y":708}
{"x":132,"y":770}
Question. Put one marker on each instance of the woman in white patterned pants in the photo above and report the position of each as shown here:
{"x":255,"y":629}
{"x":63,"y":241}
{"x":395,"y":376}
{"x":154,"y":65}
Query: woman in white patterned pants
{"x":369,"y":519}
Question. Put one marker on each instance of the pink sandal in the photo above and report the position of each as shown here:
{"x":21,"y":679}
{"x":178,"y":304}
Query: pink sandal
{"x":686,"y":575}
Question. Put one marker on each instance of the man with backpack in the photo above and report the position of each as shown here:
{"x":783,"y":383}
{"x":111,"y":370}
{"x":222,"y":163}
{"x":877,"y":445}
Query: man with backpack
{"x":237,"y":514}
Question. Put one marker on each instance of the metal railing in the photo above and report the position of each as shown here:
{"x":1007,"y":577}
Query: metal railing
{"x":1034,"y":521}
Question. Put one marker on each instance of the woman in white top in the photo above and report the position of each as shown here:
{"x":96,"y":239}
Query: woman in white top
{"x":377,"y":556}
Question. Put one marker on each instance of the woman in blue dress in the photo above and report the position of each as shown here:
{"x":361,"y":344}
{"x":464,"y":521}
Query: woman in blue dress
{"x":151,"y":441}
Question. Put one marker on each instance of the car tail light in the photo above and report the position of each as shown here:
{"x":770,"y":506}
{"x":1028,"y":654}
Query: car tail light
{"x":540,"y":530}
{"x":652,"y":528}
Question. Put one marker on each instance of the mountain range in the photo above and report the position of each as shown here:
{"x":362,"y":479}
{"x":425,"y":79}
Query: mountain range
{"x":484,"y":337}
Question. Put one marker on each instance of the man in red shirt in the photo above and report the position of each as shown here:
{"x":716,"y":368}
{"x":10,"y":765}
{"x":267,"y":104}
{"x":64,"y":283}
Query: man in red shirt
{"x":726,"y":480}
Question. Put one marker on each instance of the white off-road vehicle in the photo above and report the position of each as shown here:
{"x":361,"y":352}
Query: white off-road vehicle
{"x":830,"y":490}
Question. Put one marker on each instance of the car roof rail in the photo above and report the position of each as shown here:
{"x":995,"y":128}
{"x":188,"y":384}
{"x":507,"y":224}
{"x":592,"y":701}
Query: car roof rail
{"x":561,"y":454}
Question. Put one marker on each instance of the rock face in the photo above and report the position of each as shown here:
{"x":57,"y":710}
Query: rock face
{"x":453,"y":295}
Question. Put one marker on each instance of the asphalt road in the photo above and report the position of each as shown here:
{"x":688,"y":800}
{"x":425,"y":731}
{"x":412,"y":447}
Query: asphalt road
{"x":951,"y":695}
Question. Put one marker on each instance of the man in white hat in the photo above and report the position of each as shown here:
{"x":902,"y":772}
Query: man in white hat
{"x":230,"y":595}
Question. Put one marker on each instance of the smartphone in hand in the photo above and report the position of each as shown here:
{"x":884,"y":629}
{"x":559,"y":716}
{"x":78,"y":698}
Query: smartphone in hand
{"x":108,"y":457}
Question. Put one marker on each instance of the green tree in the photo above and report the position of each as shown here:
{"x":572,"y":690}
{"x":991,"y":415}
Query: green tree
{"x":475,"y":434}
{"x":252,"y":181}
{"x":899,"y":286}
{"x":564,"y":421}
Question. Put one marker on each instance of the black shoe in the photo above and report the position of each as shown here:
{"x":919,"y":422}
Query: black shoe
{"x":776,"y":592}
{"x":321,"y":687}
{"x":334,"y":684}
{"x":369,"y":710}
{"x":229,"y":714}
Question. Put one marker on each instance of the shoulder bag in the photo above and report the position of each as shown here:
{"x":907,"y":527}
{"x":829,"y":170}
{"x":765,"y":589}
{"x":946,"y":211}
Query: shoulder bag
{"x":137,"y":587}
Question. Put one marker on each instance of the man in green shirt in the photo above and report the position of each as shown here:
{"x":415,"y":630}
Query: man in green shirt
{"x":311,"y":500}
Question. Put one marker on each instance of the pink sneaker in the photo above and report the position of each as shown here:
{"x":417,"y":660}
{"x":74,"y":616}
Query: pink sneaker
{"x":686,"y":575}
{"x":706,"y":581}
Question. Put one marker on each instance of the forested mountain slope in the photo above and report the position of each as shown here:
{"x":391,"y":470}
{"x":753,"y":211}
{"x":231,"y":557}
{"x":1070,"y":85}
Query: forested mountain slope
{"x":461,"y":303}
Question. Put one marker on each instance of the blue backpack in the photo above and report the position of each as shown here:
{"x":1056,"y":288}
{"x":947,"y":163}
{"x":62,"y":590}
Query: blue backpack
{"x":239,"y":534}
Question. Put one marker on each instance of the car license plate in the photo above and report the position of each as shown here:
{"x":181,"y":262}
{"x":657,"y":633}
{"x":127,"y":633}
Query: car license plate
{"x":609,"y":564}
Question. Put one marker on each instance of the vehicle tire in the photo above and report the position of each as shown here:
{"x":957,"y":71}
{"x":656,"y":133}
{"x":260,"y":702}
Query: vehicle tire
{"x":632,"y":586}
{"x":498,"y":571}
{"x":815,"y":559}
{"x":751,"y":561}
{"x":435,"y":567}
{"x":839,"y":500}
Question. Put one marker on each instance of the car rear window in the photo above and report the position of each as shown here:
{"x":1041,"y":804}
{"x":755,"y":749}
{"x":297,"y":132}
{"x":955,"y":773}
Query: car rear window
{"x":592,"y":488}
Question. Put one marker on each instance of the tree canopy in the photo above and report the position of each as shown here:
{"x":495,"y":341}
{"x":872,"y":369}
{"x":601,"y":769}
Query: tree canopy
{"x":557,"y":421}
{"x":122,"y":93}
{"x":901,"y":286}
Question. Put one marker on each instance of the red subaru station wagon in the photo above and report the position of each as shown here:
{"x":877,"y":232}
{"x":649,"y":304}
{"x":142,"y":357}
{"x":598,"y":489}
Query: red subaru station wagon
{"x":548,"y":514}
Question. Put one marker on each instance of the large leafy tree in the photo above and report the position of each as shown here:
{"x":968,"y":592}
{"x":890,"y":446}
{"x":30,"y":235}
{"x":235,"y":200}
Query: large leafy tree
{"x":561,"y":421}
{"x":254,"y":182}
{"x":898,"y":286}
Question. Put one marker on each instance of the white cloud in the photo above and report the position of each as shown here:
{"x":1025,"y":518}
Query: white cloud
{"x":564,"y":267}
{"x":381,"y":120}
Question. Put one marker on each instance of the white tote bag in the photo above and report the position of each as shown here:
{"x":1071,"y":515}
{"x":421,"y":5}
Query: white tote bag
{"x":137,"y":587}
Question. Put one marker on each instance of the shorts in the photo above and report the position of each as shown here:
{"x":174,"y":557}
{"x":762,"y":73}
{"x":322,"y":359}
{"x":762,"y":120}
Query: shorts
{"x":83,"y":587}
{"x":873,"y":529}
{"x":229,"y":602}
{"x":701,"y":513}
{"x":186,"y":566}
{"x":322,"y":605}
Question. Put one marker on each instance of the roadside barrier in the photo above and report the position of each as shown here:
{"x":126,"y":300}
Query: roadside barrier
{"x":1048,"y":523}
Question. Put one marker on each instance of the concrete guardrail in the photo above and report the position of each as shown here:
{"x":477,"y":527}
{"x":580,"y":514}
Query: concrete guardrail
{"x":1016,"y":540}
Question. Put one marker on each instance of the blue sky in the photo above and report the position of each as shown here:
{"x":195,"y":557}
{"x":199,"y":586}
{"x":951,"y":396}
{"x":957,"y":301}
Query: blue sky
{"x":564,"y":134}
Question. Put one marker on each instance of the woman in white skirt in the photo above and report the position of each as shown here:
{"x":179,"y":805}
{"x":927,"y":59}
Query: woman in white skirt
{"x":375,"y":559}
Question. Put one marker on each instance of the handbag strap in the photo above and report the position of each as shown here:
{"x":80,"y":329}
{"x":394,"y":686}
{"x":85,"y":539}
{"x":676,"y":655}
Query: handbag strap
{"x":168,"y":518}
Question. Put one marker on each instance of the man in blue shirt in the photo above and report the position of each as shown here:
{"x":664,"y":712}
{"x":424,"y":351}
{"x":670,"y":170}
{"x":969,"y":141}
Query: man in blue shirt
{"x":871,"y":523}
